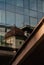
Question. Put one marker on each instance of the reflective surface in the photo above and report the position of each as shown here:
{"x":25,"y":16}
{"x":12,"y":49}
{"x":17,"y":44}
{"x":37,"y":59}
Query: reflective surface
{"x":9,"y":9}
{"x":20,"y":13}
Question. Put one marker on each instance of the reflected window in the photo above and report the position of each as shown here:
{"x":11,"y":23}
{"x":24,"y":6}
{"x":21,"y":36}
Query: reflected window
{"x":40,"y":5}
{"x":13,"y":2}
{"x":26,"y":20}
{"x":2,"y":5}
{"x":26,"y":12}
{"x":2,"y":17}
{"x":19,"y":20}
{"x":33,"y":5}
{"x":1,"y":40}
{"x":19,"y":10}
{"x":43,"y":5}
{"x":33,"y":13}
{"x":33,"y":21}
{"x":26,"y":4}
{"x":10,"y":8}
{"x":2,"y":31}
{"x":19,"y":3}
{"x":40,"y":15}
{"x":8,"y":30}
{"x":2,"y":0}
{"x":10,"y":18}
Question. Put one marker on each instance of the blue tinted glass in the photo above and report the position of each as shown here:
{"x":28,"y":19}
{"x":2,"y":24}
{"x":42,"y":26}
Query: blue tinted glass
{"x":19,"y":10}
{"x":26,"y":12}
{"x":43,"y":5}
{"x":19,"y":3}
{"x":25,"y":4}
{"x":40,"y":15}
{"x":2,"y":5}
{"x":33,"y":13}
{"x":3,"y":17}
{"x":12,"y":2}
{"x":10,"y":8}
{"x":26,"y":20}
{"x":10,"y":18}
{"x":33,"y":5}
{"x":9,"y":1}
{"x":33,"y":21}
{"x":43,"y":14}
{"x":19,"y":20}
{"x":2,"y":0}
{"x":40,"y":8}
{"x":0,"y":16}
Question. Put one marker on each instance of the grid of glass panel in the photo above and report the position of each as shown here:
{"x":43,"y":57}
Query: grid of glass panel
{"x":21,"y":12}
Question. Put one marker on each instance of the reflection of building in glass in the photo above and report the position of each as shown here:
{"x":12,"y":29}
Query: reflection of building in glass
{"x":2,"y":33}
{"x":21,"y":12}
{"x":15,"y":37}
{"x":27,"y":30}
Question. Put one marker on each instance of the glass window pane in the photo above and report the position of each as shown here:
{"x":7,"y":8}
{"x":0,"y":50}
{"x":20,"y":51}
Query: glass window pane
{"x":19,"y":20}
{"x":19,"y":10}
{"x":26,"y":20}
{"x":19,"y":3}
{"x":10,"y":18}
{"x":2,"y":17}
{"x":2,"y":5}
{"x":2,"y":31}
{"x":33,"y":5}
{"x":40,"y":15}
{"x":10,"y":8}
{"x":40,"y":5}
{"x":8,"y":1}
{"x":26,"y":12}
{"x":43,"y":5}
{"x":43,"y":15}
{"x":13,"y":2}
{"x":25,"y":4}
{"x":33,"y":21}
{"x":33,"y":13}
{"x":2,"y":0}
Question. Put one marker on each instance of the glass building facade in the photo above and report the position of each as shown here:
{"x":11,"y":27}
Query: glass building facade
{"x":20,"y":12}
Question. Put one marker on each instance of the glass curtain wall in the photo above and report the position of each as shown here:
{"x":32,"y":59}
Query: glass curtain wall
{"x":21,"y":12}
